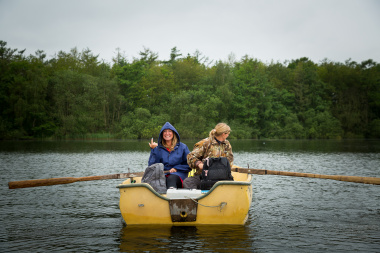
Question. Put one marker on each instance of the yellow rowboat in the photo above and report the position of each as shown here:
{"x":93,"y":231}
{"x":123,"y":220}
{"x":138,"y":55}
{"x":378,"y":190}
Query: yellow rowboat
{"x":226,"y":203}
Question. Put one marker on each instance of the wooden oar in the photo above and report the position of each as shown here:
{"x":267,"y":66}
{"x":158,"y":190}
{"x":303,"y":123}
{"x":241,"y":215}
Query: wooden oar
{"x":68,"y":180}
{"x":354,"y":179}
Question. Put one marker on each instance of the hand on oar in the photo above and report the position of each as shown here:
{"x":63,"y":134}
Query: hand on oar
{"x":67,"y":180}
{"x":353,"y":179}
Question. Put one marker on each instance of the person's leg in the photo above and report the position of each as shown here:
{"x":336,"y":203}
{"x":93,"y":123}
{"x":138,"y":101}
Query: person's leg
{"x":192,"y":182}
{"x":173,"y":181}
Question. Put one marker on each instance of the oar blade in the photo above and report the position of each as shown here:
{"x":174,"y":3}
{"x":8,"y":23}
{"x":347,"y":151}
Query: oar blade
{"x":68,"y":180}
{"x":353,"y":179}
{"x":41,"y":182}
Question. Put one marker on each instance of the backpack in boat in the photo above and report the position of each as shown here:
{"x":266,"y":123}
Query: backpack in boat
{"x":214,"y":170}
{"x":154,"y":175}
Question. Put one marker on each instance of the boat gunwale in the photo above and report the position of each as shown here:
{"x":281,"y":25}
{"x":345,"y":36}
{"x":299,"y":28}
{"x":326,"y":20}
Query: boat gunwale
{"x":227,"y":182}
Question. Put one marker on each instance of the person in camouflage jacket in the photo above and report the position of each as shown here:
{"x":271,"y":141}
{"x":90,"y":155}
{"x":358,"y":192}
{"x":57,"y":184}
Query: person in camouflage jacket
{"x":216,"y":145}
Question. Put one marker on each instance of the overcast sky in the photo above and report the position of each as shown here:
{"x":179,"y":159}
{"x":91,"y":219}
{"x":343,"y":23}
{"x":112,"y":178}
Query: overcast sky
{"x":266,"y":30}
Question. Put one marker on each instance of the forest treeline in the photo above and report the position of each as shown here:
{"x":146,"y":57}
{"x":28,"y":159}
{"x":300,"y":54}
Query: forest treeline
{"x":76,"y":95}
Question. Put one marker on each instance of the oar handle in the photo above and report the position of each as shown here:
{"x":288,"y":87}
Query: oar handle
{"x":67,"y":180}
{"x":353,"y":179}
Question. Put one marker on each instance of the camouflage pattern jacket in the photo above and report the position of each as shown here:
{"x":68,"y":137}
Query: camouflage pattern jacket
{"x":204,"y":149}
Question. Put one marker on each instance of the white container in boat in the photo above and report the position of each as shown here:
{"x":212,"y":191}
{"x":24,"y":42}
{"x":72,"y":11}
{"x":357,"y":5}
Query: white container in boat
{"x":183,"y":193}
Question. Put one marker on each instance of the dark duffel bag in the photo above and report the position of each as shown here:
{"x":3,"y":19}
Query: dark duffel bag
{"x":214,"y":170}
{"x":154,"y":175}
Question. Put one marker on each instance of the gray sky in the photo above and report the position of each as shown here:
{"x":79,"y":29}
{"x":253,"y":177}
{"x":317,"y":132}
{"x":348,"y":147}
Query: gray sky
{"x":266,"y":30}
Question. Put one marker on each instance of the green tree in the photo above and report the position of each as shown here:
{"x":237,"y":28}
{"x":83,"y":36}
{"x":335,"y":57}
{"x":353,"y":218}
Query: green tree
{"x":253,"y":95}
{"x":349,"y":96}
{"x":141,"y":124}
{"x":23,"y":92}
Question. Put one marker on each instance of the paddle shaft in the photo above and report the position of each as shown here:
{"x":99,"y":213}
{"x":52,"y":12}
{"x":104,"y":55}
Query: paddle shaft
{"x":354,"y":179}
{"x":67,"y":180}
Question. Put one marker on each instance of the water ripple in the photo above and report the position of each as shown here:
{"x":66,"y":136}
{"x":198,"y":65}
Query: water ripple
{"x":288,"y":214}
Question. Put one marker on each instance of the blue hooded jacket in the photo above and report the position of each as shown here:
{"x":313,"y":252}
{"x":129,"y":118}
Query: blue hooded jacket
{"x":175,"y":159}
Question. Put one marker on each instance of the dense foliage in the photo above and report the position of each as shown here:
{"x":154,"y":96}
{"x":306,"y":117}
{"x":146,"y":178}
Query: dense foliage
{"x":75,"y":95}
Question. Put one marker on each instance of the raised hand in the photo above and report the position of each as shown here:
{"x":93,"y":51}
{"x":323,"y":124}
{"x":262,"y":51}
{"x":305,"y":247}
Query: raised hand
{"x":152,"y":144}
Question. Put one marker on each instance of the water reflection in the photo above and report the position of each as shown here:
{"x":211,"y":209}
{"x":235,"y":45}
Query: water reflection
{"x":317,"y":146}
{"x":74,"y":146}
{"x":238,"y":146}
{"x":186,"y":238}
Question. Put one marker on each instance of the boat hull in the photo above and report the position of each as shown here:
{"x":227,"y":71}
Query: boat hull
{"x":227,"y":203}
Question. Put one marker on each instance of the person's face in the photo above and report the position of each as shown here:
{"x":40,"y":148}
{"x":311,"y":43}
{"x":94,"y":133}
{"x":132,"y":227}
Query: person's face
{"x":225,"y":136}
{"x":167,"y":135}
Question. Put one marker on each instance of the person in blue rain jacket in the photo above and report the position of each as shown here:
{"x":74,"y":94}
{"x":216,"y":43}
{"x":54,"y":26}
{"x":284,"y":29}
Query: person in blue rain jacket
{"x":172,"y":153}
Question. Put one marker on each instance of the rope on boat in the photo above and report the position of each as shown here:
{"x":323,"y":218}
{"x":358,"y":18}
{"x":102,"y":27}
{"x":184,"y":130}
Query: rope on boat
{"x":221,"y":206}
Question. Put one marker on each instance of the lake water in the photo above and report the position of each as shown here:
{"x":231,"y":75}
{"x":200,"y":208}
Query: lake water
{"x":288,"y":214}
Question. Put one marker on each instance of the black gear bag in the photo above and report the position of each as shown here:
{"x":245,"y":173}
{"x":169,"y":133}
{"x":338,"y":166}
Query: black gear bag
{"x":214,"y":170}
